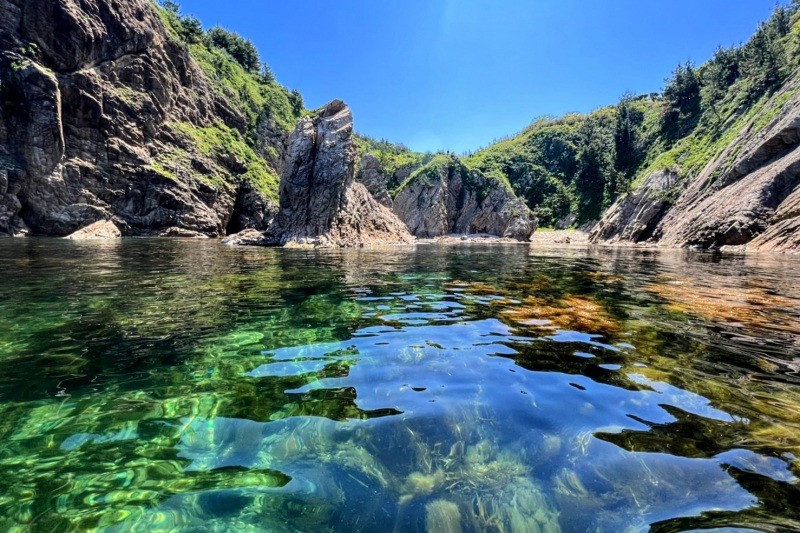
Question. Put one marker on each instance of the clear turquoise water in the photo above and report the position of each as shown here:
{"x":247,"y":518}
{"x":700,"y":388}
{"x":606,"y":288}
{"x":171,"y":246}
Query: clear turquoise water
{"x":175,"y":385}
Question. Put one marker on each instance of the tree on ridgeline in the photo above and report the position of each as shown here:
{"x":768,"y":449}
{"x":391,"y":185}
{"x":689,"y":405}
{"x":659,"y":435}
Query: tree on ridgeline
{"x":764,"y":59}
{"x":596,"y":158}
{"x":681,"y":102}
{"x":718,"y":75}
{"x":240,"y":49}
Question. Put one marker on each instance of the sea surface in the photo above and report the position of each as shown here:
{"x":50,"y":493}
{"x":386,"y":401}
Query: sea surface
{"x":160,"y":385}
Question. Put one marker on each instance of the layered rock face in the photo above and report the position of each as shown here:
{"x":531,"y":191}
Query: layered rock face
{"x":89,"y":91}
{"x":321,"y":204}
{"x":371,"y":175}
{"x":749,"y":196}
{"x":635,"y":217}
{"x":446,"y":197}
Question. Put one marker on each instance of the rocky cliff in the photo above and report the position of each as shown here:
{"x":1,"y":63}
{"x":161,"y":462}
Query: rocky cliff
{"x":748,"y":196}
{"x":102,"y":117}
{"x":446,"y":197}
{"x":321,"y":204}
{"x":125,"y":115}
{"x":114,"y":112}
{"x":439,"y":195}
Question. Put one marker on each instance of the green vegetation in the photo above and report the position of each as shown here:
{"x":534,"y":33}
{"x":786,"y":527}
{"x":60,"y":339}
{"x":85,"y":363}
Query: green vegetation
{"x":446,"y":164}
{"x":573,"y":165}
{"x":221,"y":142}
{"x":233,"y":64}
{"x":392,"y":157}
{"x":244,"y":82}
{"x":577,"y":163}
{"x":427,"y":174}
{"x":580,"y":164}
{"x":239,"y":48}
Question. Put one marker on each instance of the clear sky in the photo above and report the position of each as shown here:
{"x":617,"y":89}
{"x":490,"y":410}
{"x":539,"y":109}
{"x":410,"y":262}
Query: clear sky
{"x":457,"y":74}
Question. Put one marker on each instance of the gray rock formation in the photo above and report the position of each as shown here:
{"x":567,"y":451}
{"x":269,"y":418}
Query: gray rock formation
{"x":783,"y":232}
{"x":634,"y":217}
{"x":371,"y":175}
{"x":320,"y":202}
{"x":100,"y":230}
{"x":446,"y":197}
{"x":248,"y":237}
{"x":90,"y":92}
{"x":748,"y":197}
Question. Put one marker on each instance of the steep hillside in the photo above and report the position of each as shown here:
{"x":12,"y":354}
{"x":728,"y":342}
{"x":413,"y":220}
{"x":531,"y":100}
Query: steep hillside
{"x":743,"y":191}
{"x":734,"y":177}
{"x":437,"y":194}
{"x":131,"y":113}
{"x":127,"y":112}
{"x":568,"y":169}
{"x":661,"y":168}
{"x":444,"y":197}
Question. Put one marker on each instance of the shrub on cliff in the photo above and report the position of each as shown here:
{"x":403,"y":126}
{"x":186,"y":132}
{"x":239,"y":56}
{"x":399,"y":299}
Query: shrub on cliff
{"x":240,"y":49}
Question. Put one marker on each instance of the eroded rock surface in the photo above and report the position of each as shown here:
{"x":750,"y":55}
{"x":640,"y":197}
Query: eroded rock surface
{"x":321,"y":204}
{"x":371,"y":175}
{"x":635,"y":216}
{"x":747,"y":198}
{"x":100,"y":230}
{"x":446,"y":197}
{"x":90,"y":93}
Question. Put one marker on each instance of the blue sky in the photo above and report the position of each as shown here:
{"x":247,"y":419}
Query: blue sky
{"x":455,"y":75}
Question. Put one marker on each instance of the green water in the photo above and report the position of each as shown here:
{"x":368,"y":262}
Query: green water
{"x":172,"y":385}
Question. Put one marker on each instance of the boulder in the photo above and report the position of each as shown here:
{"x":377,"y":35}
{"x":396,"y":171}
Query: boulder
{"x":248,"y":237}
{"x":102,"y":229}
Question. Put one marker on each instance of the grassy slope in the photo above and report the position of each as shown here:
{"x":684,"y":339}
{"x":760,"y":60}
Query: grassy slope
{"x":545,"y":164}
{"x":246,"y":92}
{"x":542,"y":161}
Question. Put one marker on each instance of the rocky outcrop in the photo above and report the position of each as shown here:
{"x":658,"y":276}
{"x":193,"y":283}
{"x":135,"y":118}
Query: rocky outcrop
{"x":746,"y":197}
{"x":783,"y":232}
{"x":372,"y":176}
{"x":91,"y":92}
{"x":446,"y":197}
{"x":635,"y":217}
{"x":100,"y":230}
{"x":248,"y":237}
{"x":321,"y":204}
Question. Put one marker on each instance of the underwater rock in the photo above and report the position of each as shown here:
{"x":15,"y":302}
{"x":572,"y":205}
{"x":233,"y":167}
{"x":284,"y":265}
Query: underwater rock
{"x":578,"y":313}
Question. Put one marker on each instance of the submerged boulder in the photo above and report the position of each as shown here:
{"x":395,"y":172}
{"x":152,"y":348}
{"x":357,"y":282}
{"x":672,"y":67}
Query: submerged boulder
{"x":321,"y":204}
